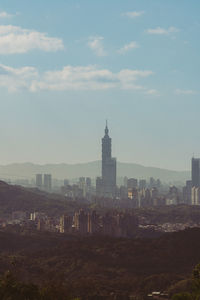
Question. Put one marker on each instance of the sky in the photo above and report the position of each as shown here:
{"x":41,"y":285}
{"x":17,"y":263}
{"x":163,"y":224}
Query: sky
{"x":67,"y":66}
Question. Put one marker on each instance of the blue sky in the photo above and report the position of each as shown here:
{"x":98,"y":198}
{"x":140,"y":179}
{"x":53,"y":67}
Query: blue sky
{"x":66,"y":66}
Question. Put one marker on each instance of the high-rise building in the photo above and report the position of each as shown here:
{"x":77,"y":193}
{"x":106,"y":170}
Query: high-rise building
{"x":195,"y":195}
{"x":187,"y":190}
{"x":132,"y":183}
{"x":125,"y":181}
{"x":39,"y":181}
{"x":123,"y":192}
{"x":66,"y":182}
{"x":99,"y":187}
{"x":154,"y":192}
{"x":196,"y":172}
{"x":152,"y":182}
{"x":88,"y":187}
{"x":47,"y":182}
{"x":81,"y":182}
{"x":81,"y":222}
{"x":108,"y":167}
{"x":142,"y":184}
{"x":88,"y":182}
{"x":93,"y":222}
{"x":65,"y":224}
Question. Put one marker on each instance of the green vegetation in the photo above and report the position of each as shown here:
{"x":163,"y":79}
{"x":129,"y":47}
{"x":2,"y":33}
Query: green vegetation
{"x":190,"y":291}
{"x":103,"y":266}
{"x":12,"y":289}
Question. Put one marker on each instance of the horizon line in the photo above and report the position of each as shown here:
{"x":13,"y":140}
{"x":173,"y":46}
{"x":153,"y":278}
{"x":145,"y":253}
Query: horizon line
{"x":89,"y":162}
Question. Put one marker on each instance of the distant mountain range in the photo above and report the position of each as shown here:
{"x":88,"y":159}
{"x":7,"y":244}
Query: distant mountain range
{"x":91,"y":169}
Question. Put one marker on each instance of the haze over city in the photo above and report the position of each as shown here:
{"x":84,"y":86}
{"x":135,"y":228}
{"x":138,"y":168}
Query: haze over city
{"x":65,"y":69}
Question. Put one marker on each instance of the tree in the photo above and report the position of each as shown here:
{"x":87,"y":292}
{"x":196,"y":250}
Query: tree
{"x":11,"y":289}
{"x":195,"y":293}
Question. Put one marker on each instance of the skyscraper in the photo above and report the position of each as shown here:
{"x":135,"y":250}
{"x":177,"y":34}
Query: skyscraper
{"x":196,"y":172}
{"x":47,"y":182}
{"x":39,"y":181}
{"x":66,"y":224}
{"x":99,"y":187}
{"x":108,"y":167}
{"x":142,"y":184}
{"x":132,"y":183}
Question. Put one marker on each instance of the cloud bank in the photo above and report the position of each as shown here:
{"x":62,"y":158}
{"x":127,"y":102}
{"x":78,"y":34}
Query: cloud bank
{"x":14,"y":39}
{"x":70,"y":78}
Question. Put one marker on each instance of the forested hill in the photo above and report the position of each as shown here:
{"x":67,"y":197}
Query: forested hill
{"x":100,"y":265}
{"x":13,"y":198}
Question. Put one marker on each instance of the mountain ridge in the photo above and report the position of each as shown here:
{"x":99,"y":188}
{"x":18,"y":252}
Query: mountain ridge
{"x":90,"y":169}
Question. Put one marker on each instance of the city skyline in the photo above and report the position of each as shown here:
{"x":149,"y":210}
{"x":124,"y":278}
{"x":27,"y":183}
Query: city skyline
{"x":66,"y":68}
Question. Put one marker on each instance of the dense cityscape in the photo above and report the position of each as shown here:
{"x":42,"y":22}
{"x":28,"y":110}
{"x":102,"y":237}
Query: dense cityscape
{"x":133,"y":194}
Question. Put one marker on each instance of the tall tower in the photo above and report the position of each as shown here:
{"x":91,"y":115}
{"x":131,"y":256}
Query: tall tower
{"x":196,"y":172}
{"x":108,"y":167}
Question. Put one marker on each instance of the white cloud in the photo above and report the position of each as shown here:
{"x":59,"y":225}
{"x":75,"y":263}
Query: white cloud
{"x":185,"y":92}
{"x":14,"y":39}
{"x":5,"y":15}
{"x":128,"y":47}
{"x":152,"y":92}
{"x":71,"y":78}
{"x":15,"y":79}
{"x":162,"y":31}
{"x":89,"y":78}
{"x":95,"y":43}
{"x":133,"y":14}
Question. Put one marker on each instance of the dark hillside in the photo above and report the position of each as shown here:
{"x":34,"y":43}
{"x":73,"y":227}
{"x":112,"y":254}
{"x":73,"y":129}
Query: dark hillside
{"x":109,"y":264}
{"x":13,"y":198}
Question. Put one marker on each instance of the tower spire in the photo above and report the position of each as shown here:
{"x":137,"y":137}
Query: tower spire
{"x":106,"y":129}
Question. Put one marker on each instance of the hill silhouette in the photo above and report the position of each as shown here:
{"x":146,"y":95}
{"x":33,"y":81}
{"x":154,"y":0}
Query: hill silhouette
{"x":13,"y":198}
{"x":90,"y":169}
